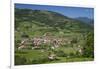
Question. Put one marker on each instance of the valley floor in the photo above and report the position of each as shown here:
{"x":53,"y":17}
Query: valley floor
{"x":23,"y":57}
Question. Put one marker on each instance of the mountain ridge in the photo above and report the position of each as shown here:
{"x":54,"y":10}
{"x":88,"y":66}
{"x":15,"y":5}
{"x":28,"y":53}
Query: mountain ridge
{"x":44,"y":18}
{"x":87,"y":20}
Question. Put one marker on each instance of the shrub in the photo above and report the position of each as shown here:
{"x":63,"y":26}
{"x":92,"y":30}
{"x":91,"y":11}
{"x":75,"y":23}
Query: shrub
{"x":17,"y":42}
{"x":20,"y":60}
{"x":60,"y":53}
{"x":40,"y":60}
{"x":77,"y":54}
{"x":74,"y":40}
{"x":74,"y":55}
{"x":24,"y":35}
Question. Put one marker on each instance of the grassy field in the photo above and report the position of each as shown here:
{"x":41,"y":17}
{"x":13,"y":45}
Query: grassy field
{"x":41,"y":57}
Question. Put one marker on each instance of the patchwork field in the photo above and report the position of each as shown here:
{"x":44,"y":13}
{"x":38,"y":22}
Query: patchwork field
{"x":43,"y":37}
{"x":38,"y":57}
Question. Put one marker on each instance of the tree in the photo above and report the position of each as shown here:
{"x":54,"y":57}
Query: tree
{"x":88,"y":49}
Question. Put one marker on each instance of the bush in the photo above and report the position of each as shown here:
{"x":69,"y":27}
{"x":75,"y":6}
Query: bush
{"x":60,"y":54}
{"x":77,"y":54}
{"x":72,"y":55}
{"x":24,"y":35}
{"x":74,"y":40}
{"x":17,"y":42}
{"x":20,"y":60}
{"x":40,"y":60}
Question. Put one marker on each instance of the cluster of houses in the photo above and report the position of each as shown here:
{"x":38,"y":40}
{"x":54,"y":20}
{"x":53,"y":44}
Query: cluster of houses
{"x":46,"y":40}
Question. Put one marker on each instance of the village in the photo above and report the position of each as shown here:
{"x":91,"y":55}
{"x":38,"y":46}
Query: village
{"x":47,"y":41}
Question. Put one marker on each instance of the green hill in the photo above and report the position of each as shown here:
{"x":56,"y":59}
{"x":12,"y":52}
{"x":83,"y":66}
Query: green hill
{"x":41,"y":21}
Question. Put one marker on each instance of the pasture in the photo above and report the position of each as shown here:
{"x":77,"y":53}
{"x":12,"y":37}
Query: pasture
{"x":40,"y":56}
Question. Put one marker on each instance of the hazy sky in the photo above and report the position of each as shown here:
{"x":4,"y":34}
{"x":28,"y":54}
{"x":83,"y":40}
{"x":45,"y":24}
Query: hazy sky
{"x":72,"y":12}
